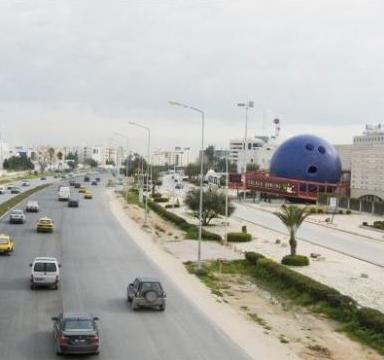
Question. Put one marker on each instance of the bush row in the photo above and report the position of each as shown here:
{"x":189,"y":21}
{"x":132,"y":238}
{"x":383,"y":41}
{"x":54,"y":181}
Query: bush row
{"x":342,"y":307}
{"x":190,"y":229}
{"x":161,"y":199}
{"x":239,"y":237}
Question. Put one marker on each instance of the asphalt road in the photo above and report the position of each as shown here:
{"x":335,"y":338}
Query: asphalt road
{"x":98,"y":261}
{"x":354,"y":245}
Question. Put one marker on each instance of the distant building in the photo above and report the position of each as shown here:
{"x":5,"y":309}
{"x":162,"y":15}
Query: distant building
{"x":179,"y":157}
{"x":365,"y":160}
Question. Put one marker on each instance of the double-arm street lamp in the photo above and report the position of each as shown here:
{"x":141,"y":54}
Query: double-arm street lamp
{"x":201,"y":112}
{"x":246,"y":106}
{"x":149,"y":168}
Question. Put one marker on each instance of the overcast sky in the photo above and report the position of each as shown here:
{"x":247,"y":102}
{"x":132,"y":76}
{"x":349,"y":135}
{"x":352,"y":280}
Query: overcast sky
{"x":75,"y":71}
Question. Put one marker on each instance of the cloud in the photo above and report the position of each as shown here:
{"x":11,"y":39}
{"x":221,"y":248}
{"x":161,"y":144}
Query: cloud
{"x":72,"y":71}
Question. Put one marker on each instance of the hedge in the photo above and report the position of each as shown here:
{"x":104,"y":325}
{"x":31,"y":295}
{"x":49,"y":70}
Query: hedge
{"x":269,"y":269}
{"x":371,"y":319}
{"x":239,"y":237}
{"x":295,"y":260}
{"x":253,"y":257}
{"x":161,"y":199}
{"x":190,"y":229}
{"x":171,"y":206}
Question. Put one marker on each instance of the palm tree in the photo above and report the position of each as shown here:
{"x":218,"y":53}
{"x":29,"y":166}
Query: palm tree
{"x":292,"y":217}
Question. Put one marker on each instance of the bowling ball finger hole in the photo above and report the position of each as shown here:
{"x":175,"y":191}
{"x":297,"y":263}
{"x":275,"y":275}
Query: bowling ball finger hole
{"x":321,"y":149}
{"x":309,"y":147}
{"x":312,"y":170}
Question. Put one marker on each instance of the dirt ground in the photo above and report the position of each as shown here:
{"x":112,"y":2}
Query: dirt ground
{"x":306,"y":335}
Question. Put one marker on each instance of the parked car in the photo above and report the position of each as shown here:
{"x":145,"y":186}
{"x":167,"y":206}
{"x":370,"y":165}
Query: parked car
{"x":77,"y":185}
{"x":32,"y":206}
{"x":98,"y":179}
{"x":25,"y":183}
{"x":45,"y":224}
{"x":86,"y":178}
{"x":10,"y":186}
{"x":88,"y":195}
{"x":2,"y":189}
{"x":146,"y":292}
{"x":76,"y":333}
{"x":6,"y":244}
{"x":94,"y":182}
{"x":17,"y":216}
{"x":15,"y":190}
{"x":45,"y":272}
{"x":73,"y":203}
{"x":178,"y":186}
{"x":72,"y":183}
{"x":43,"y":178}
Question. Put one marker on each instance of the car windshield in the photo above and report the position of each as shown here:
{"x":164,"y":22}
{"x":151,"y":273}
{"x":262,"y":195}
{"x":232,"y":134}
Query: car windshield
{"x":45,"y":267}
{"x":78,"y":324}
{"x":17,"y":212}
{"x":151,"y":286}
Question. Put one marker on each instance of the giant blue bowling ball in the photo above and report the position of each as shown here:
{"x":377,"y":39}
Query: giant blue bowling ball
{"x":306,"y":157}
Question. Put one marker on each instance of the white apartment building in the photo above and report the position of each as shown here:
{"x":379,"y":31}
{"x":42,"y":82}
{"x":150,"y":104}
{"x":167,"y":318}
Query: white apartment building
{"x":179,"y":157}
{"x":365,"y":160}
{"x":259,"y":151}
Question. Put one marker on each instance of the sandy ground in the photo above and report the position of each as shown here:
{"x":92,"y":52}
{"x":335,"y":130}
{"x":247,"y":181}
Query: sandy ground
{"x":280,"y":331}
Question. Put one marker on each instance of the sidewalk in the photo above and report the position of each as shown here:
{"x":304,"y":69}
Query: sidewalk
{"x":346,"y":223}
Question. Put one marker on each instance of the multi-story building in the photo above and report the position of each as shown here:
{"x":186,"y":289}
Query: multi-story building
{"x":259,"y":151}
{"x":365,"y":160}
{"x":179,"y":157}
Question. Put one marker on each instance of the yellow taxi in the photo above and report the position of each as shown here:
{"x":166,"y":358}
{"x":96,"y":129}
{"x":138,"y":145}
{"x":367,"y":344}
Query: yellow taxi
{"x":45,"y":224}
{"x":88,"y":195}
{"x":6,"y":244}
{"x":82,"y":189}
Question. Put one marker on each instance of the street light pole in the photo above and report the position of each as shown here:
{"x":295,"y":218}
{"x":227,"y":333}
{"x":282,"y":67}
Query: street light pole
{"x":246,"y":106}
{"x":149,"y":167}
{"x":201,"y":112}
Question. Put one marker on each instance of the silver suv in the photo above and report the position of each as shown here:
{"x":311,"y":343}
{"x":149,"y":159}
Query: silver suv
{"x":146,"y":292}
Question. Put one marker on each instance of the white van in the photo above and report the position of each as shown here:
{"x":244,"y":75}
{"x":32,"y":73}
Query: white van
{"x":64,"y":193}
{"x":45,"y":272}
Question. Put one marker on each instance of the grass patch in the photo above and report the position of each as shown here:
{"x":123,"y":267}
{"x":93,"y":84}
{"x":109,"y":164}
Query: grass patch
{"x":6,"y":205}
{"x":256,"y":318}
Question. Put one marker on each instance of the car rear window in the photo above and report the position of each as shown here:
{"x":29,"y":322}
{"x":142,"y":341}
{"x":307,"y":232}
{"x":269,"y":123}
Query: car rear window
{"x":3,"y":241}
{"x":78,"y":324}
{"x":45,"y":267}
{"x":151,"y":286}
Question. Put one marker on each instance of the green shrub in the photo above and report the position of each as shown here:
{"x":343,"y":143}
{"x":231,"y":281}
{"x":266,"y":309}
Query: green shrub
{"x":371,"y":319}
{"x":161,"y":199}
{"x":253,"y":257}
{"x":312,"y":210}
{"x":341,"y":212}
{"x":171,"y":206}
{"x":378,"y":225}
{"x":295,"y":260}
{"x":320,"y":211}
{"x":239,"y":237}
{"x":156,"y":195}
{"x":364,"y":223}
{"x":269,"y":269}
{"x":348,"y":212}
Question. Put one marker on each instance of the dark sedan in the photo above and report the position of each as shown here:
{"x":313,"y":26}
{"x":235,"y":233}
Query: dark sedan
{"x":76,"y":333}
{"x":73,"y":203}
{"x":77,"y":185}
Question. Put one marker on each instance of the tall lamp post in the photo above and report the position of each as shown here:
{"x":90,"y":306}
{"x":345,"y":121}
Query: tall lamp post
{"x":246,"y":106}
{"x":149,"y":168}
{"x":201,"y":112}
{"x":126,"y":161}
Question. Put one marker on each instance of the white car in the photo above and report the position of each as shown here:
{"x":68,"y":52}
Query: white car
{"x":32,"y":206}
{"x":3,"y":189}
{"x":45,"y":272}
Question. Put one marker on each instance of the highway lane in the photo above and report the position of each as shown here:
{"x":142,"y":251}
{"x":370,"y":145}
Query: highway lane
{"x":353,"y":245}
{"x":98,"y":260}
